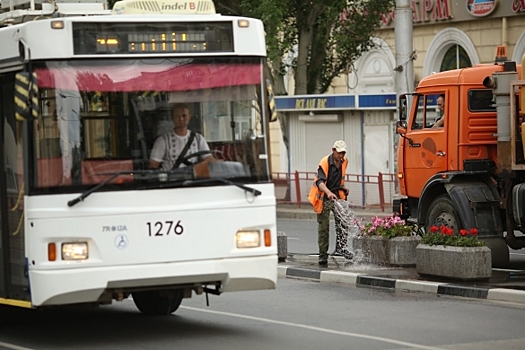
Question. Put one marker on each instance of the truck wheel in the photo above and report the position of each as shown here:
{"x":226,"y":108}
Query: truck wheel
{"x":154,"y":302}
{"x":443,"y":213}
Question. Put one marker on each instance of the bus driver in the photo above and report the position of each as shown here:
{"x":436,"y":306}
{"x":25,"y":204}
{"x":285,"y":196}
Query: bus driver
{"x":170,"y":149}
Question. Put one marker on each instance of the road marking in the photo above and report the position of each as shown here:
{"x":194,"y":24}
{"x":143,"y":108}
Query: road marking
{"x":319,"y":329}
{"x":14,"y":347}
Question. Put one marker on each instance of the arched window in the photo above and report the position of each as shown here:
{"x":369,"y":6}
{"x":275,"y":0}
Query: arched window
{"x":456,"y":57}
{"x":449,"y":41}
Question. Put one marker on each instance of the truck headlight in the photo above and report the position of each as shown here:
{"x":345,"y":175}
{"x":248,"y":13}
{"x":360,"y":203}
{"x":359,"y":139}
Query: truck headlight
{"x":75,"y":251}
{"x":247,"y":239}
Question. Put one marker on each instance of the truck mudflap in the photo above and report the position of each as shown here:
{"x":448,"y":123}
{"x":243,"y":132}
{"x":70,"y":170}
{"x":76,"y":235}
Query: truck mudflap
{"x":477,"y":207}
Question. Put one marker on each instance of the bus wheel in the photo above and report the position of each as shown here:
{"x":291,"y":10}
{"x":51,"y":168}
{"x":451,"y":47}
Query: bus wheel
{"x":154,"y":302}
{"x":443,"y":213}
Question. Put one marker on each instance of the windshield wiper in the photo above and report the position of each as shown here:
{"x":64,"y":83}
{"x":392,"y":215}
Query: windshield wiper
{"x":113,"y":176}
{"x":105,"y":182}
{"x":254,"y":191}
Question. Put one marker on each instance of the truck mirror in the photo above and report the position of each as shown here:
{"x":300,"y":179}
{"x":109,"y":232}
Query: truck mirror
{"x":401,"y":127}
{"x":402,"y":107}
{"x":26,"y":96}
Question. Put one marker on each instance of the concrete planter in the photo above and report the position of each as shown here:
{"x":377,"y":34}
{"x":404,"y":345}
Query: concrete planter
{"x":397,"y":251}
{"x":464,"y":263}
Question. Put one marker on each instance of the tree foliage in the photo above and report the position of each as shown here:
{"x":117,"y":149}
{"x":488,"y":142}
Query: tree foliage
{"x":281,"y":35}
{"x":325,"y":37}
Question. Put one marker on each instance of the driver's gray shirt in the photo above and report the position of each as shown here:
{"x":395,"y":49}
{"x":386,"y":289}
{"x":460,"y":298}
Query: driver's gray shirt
{"x":167,"y":148}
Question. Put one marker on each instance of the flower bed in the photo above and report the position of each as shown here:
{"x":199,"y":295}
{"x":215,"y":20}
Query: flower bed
{"x":445,"y":236}
{"x":386,"y":241}
{"x":457,"y":256}
{"x":388,"y":227}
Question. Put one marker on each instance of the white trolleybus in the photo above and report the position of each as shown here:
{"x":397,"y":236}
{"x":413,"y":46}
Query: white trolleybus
{"x":84,"y":217}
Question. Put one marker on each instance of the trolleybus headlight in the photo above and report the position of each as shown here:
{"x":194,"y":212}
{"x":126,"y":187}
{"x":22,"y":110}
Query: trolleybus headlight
{"x":75,"y":251}
{"x":247,"y":239}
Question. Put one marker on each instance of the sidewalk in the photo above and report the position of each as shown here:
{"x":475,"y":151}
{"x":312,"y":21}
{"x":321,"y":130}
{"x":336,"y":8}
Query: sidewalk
{"x":291,"y":211}
{"x":504,"y":285}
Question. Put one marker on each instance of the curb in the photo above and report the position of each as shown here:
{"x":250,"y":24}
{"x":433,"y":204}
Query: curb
{"x":295,"y":215}
{"x":303,"y":214}
{"x":363,"y":280}
{"x":313,"y":258}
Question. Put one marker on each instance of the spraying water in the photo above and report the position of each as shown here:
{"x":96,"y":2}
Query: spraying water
{"x":349,"y":228}
{"x":346,"y":226}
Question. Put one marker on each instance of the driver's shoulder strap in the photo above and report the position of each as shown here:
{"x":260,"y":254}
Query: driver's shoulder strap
{"x":190,"y":141}
{"x":185,"y":149}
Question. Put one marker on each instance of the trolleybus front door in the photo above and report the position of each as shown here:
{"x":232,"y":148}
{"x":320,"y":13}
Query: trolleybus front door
{"x":13,"y":281}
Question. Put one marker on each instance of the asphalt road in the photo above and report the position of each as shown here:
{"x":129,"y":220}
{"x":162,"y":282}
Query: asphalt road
{"x":298,"y":315}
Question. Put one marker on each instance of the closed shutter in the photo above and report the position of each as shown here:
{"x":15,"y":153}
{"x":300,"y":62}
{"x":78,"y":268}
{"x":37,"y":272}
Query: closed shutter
{"x":320,"y":138}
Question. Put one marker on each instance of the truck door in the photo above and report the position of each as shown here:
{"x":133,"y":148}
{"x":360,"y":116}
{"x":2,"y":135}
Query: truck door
{"x":425,"y":153}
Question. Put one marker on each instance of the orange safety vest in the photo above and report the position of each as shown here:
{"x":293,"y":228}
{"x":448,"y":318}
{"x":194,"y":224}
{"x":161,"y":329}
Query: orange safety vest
{"x":316,"y":195}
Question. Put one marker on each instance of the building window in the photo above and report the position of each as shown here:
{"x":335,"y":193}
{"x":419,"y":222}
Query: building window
{"x":456,"y":57}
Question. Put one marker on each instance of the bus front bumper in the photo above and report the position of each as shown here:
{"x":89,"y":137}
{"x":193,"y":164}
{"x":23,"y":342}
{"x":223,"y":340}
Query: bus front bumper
{"x":86,"y":285}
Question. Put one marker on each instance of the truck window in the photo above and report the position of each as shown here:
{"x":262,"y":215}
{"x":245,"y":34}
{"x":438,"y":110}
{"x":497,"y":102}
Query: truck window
{"x":427,"y":112}
{"x":481,"y":101}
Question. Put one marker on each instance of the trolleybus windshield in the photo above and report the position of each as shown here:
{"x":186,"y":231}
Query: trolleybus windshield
{"x":99,"y":117}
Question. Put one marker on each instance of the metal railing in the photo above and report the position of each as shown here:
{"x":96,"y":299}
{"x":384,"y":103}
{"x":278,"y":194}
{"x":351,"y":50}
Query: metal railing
{"x":366,"y":191}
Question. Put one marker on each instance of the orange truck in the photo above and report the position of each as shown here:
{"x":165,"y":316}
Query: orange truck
{"x":468,"y":172}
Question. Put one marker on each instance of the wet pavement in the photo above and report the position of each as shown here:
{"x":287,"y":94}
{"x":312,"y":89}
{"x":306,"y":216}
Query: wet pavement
{"x":505,"y":284}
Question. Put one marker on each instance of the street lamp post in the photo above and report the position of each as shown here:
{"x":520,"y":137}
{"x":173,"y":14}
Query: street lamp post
{"x":404,"y":47}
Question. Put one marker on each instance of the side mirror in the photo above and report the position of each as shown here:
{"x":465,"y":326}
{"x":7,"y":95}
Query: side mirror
{"x":26,"y":96}
{"x":401,"y":127}
{"x":402,"y":112}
